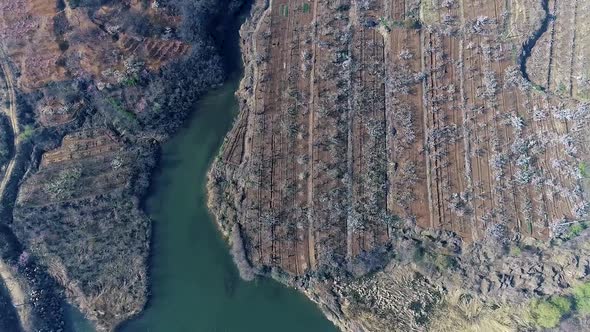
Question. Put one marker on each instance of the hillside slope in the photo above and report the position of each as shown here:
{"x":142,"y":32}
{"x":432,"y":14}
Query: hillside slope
{"x":89,"y":91}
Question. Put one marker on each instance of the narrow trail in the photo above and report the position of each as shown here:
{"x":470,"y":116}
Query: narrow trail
{"x":12,"y":115}
{"x":17,"y":295}
{"x":16,"y":292}
{"x":310,"y":184}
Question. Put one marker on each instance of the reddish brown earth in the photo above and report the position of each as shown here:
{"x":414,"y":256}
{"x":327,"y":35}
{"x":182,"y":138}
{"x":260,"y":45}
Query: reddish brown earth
{"x":33,"y":38}
{"x":431,"y":125}
{"x":365,"y":124}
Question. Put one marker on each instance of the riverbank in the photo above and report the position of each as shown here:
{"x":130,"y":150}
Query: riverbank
{"x":194,"y":284}
{"x":232,"y":152}
{"x":331,"y":180}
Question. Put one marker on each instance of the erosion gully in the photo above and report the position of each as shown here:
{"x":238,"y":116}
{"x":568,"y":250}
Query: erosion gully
{"x":194,"y":283}
{"x":530,"y":44}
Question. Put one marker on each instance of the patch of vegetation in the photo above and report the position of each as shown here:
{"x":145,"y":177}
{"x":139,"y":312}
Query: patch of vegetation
{"x":87,"y":237}
{"x":306,"y":7}
{"x":562,"y":89}
{"x":428,"y":12}
{"x":444,"y":262}
{"x":118,"y":106}
{"x":284,"y":10}
{"x":408,"y":23}
{"x":462,"y":312}
{"x":433,"y":260}
{"x":581,"y":294}
{"x":5,"y":141}
{"x":386,"y":23}
{"x":538,"y":88}
{"x":64,"y":184}
{"x":239,"y":255}
{"x":515,"y":251}
{"x":27,"y":133}
{"x":131,"y":81}
{"x":548,"y":313}
{"x":564,"y":304}
{"x":583,"y":168}
{"x":574,"y":230}
{"x":418,"y":254}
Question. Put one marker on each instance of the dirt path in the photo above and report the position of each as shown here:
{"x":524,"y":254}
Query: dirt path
{"x":311,"y":234}
{"x":17,"y":295}
{"x":11,"y":113}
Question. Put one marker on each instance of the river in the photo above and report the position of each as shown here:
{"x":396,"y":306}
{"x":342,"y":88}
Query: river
{"x":194,"y":283}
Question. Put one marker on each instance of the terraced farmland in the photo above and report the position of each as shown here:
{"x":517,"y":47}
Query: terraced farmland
{"x":364,"y":122}
{"x":352,"y":122}
{"x":410,"y":165}
{"x":560,"y":62}
{"x":51,"y":45}
{"x":74,"y":190}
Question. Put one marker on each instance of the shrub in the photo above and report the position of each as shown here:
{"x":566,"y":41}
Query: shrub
{"x":582,"y":298}
{"x":238,"y":253}
{"x":564,"y":304}
{"x":548,"y":313}
{"x":583,"y":168}
{"x":574,"y":230}
{"x":5,"y":140}
{"x":515,"y":251}
{"x":545,"y":314}
{"x":27,"y":133}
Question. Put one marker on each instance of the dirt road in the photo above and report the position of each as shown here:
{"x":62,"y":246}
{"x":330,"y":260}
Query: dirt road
{"x":17,"y":295}
{"x":11,"y":113}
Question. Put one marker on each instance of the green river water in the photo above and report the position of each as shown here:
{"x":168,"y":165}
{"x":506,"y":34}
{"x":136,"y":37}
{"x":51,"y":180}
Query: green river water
{"x":195,"y":286}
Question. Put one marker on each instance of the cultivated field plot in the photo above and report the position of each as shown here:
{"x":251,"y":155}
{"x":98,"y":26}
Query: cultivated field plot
{"x":86,"y":164}
{"x":27,"y":33}
{"x":42,"y":41}
{"x":366,"y":115}
{"x":561,"y":60}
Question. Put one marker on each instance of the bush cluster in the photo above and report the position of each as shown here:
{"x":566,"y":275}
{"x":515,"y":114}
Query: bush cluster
{"x":550,"y":312}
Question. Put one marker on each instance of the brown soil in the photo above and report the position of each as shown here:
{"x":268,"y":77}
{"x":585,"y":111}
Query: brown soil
{"x":357,"y":123}
{"x":326,"y":114}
